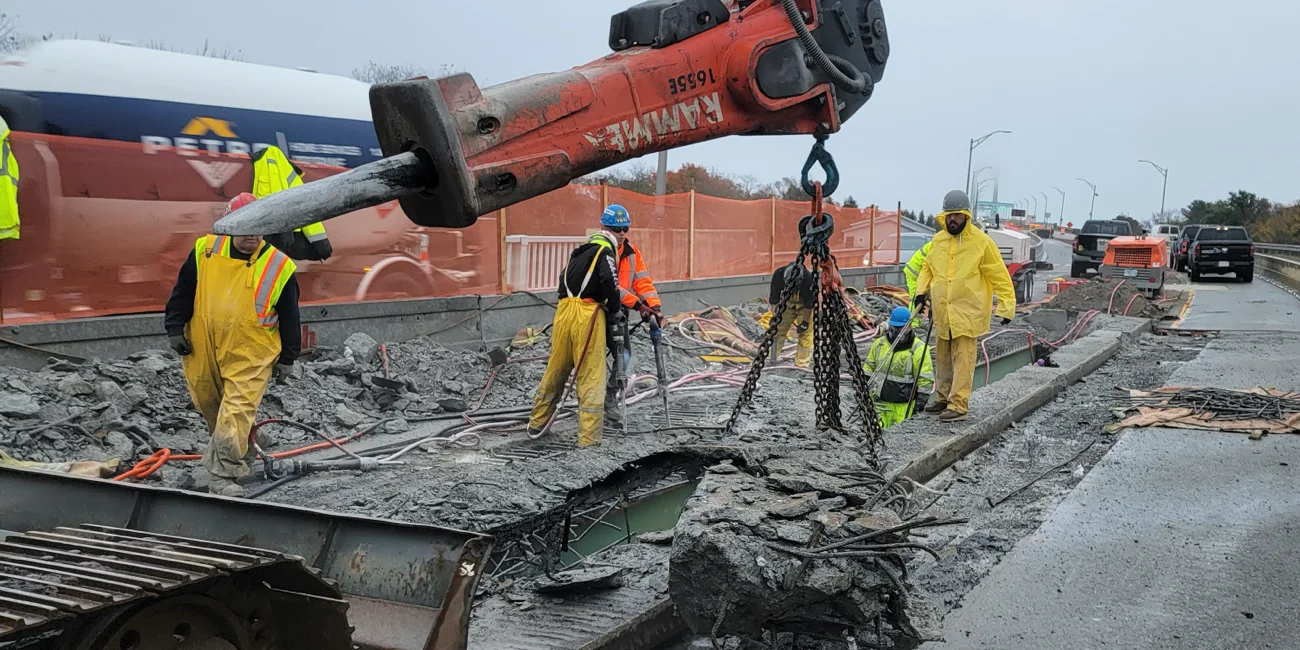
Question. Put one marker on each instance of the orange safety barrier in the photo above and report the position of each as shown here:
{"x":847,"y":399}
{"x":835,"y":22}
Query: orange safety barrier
{"x":106,"y":225}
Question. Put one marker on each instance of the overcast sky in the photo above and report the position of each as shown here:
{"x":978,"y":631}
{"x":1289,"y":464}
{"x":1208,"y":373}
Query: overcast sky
{"x":1210,"y":90}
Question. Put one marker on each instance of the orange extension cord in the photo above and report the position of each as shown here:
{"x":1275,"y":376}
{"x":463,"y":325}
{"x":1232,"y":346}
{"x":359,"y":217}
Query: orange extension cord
{"x":148,"y":466}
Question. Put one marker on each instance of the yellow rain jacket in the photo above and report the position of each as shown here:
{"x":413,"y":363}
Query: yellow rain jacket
{"x":236,"y":340}
{"x":912,"y":270}
{"x":9,"y":223}
{"x":274,"y":172}
{"x":962,"y":274}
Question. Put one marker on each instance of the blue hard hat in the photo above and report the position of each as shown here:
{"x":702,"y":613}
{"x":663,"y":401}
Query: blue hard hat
{"x":616,"y":215}
{"x":899,"y":316}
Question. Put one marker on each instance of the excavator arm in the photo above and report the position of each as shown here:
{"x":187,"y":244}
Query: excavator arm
{"x":682,"y":72}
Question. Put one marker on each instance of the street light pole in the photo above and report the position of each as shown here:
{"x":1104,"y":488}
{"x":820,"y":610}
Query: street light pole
{"x":1060,"y":218}
{"x":1163,"y":172}
{"x":1045,"y":208}
{"x":970,"y":157}
{"x":1094,"y":196}
{"x":1035,"y":198}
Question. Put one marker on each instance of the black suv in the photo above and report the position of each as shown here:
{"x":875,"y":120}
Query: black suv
{"x":1221,"y":249}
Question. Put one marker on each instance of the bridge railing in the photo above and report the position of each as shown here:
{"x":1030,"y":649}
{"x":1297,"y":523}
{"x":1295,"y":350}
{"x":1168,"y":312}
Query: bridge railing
{"x":1281,"y":262}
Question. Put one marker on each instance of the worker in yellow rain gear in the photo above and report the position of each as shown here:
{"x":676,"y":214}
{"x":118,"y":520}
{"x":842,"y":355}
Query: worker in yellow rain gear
{"x":798,"y":311}
{"x":589,"y":297}
{"x":903,"y":362}
{"x":274,"y":172}
{"x":233,"y":317}
{"x":913,"y":267}
{"x":958,"y":280}
{"x":9,"y":223}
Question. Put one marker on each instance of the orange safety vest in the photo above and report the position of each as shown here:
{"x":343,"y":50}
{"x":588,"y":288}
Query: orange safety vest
{"x":634,"y":283}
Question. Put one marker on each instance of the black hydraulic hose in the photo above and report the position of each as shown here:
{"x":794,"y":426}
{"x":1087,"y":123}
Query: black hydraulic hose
{"x":831,"y":65}
{"x":487,"y":413}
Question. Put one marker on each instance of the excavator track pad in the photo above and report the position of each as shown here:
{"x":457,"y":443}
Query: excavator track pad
{"x":111,"y":566}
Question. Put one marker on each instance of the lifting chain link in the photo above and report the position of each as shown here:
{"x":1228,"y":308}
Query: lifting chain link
{"x":832,"y":327}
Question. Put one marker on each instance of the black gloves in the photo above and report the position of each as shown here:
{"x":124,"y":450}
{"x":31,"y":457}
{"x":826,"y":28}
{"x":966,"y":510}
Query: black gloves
{"x":920,"y":301}
{"x":1006,"y":321}
{"x":180,"y":344}
{"x":647,"y":312}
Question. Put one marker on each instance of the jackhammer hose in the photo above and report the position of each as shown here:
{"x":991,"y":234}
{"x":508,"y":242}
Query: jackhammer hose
{"x":831,"y":65}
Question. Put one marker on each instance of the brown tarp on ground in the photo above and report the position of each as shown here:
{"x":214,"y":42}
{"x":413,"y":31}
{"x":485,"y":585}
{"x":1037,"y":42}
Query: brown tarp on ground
{"x":1187,"y":418}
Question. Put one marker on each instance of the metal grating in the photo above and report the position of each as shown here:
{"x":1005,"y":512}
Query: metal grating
{"x":47,"y":577}
{"x":616,"y":619}
{"x":1132,"y":257}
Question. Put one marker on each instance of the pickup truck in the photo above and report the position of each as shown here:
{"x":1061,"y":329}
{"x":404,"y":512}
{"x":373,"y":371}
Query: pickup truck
{"x":1183,"y":243}
{"x":1090,"y":244}
{"x":1221,"y":249}
{"x":1169,"y":233}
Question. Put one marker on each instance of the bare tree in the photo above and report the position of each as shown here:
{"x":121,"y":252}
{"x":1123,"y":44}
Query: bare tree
{"x":10,"y":39}
{"x":379,"y":73}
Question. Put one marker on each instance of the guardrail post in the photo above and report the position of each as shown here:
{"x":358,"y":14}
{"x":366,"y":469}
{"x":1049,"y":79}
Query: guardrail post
{"x":898,"y":241}
{"x":871,"y":234}
{"x":690,"y":242}
{"x":771,"y":252}
{"x":501,"y":251}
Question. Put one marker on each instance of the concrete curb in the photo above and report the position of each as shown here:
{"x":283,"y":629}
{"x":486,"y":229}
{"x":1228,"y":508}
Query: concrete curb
{"x":1033,"y":387}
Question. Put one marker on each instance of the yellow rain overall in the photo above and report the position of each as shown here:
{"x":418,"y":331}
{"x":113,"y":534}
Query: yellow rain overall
{"x":961,"y":274}
{"x":236,"y":342}
{"x":795,"y":316}
{"x":577,"y":339}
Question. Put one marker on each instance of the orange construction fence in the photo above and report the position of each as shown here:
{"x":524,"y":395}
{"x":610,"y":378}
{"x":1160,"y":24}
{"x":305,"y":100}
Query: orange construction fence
{"x":105,"y":226}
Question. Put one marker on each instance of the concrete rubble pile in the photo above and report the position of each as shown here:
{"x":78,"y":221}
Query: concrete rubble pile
{"x":127,"y":408}
{"x":799,"y":542}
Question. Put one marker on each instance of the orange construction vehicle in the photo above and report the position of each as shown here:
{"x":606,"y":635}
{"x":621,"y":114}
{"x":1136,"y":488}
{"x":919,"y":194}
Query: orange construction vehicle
{"x":1141,"y":261}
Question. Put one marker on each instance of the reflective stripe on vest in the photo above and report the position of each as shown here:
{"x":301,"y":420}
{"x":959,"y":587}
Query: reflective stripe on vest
{"x":914,"y":361}
{"x":5,"y":167}
{"x":591,"y":270}
{"x":269,"y":282}
{"x":314,"y":231}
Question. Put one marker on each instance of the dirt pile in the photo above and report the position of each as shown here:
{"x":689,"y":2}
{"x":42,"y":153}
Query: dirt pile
{"x":1114,"y":297}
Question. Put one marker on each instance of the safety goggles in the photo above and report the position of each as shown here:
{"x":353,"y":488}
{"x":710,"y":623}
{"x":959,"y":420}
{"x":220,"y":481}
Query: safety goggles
{"x":617,"y":230}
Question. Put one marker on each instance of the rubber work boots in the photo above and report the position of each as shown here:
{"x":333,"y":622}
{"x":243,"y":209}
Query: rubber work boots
{"x":613,"y":407}
{"x":225,"y":487}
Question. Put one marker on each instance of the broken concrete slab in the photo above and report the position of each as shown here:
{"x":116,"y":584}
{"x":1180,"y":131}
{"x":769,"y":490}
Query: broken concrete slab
{"x":756,"y":583}
{"x":578,"y":580}
{"x":22,"y":405}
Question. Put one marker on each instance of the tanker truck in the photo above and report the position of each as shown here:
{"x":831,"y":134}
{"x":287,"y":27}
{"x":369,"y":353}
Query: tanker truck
{"x":128,"y":154}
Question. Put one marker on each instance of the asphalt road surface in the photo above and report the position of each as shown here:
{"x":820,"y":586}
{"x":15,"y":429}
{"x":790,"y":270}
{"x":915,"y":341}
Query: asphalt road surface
{"x":1228,"y":304}
{"x":1177,"y":538}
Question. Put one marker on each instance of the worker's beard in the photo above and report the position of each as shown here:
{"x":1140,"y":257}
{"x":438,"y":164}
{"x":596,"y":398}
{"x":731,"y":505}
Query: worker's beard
{"x":955,"y":228}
